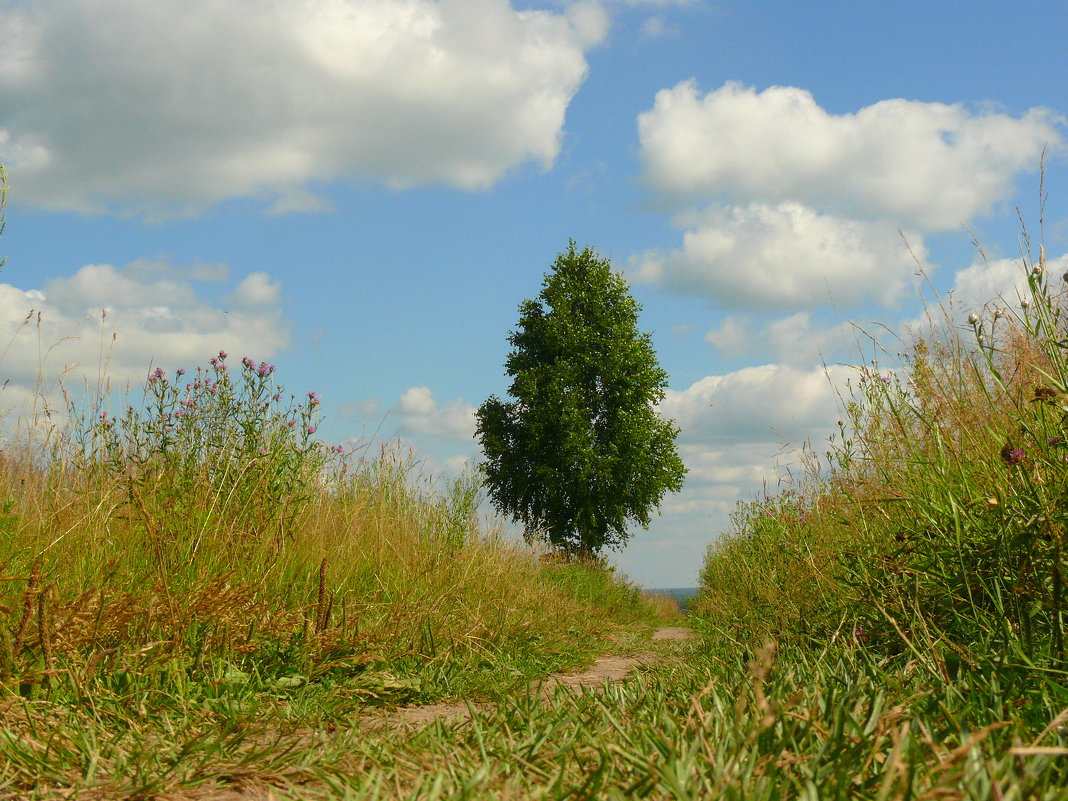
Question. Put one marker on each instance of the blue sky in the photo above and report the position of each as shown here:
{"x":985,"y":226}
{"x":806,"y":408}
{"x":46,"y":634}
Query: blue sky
{"x":364,"y":191}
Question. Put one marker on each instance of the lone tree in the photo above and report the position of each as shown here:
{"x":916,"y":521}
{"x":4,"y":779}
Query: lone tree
{"x":581,"y":452}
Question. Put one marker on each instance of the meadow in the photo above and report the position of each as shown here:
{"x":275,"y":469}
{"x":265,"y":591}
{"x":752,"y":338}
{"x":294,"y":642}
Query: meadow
{"x":200,"y":599}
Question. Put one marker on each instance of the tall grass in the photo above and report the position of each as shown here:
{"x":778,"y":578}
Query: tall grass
{"x":207,"y":526}
{"x":938,"y":530}
{"x":930,"y":540}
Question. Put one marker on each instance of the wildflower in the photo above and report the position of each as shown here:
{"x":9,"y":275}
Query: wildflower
{"x":223,"y":354}
{"x":1036,"y":271}
{"x":156,"y":376}
{"x":973,"y":318}
{"x":999,"y":312}
{"x":291,"y":423}
{"x":180,"y":372}
{"x":1024,"y":303}
{"x":337,"y":449}
{"x":278,"y":397}
{"x":311,"y":429}
{"x":1054,"y":441}
{"x":247,"y":362}
{"x":1012,"y":456}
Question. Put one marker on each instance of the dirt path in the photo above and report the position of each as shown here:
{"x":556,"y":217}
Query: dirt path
{"x":607,"y":668}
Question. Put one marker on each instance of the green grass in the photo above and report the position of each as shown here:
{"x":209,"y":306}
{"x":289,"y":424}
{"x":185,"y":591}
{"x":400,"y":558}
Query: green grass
{"x":197,"y":597}
{"x":186,"y":584}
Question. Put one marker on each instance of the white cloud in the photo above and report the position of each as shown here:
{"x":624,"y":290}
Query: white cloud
{"x":797,"y":340}
{"x":928,"y":165}
{"x":111,"y":322}
{"x":422,"y":414}
{"x":1002,"y":282}
{"x":164,"y":107}
{"x":657,"y":28}
{"x":783,"y":256}
{"x":257,"y":289}
{"x":773,"y":404}
{"x":418,"y":401}
{"x":733,"y":337}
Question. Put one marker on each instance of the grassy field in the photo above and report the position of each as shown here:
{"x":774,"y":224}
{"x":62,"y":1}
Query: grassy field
{"x":198,"y":599}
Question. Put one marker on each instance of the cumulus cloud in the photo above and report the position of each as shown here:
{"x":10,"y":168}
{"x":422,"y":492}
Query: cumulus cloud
{"x":797,"y":340}
{"x":422,"y":414}
{"x":164,"y":107}
{"x":769,"y":404}
{"x":117,"y":321}
{"x":783,"y":256}
{"x":929,"y":165}
{"x":257,"y":289}
{"x":1001,"y":282}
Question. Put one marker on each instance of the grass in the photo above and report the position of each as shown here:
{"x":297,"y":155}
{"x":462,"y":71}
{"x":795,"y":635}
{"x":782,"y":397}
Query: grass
{"x":198,"y":598}
{"x":190,"y":584}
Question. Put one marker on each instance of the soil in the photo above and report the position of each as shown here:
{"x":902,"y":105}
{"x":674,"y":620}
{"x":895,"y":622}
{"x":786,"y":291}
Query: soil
{"x":607,"y":668}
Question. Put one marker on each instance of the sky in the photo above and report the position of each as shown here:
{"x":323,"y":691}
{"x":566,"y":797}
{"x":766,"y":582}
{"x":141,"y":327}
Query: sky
{"x":362,"y":192}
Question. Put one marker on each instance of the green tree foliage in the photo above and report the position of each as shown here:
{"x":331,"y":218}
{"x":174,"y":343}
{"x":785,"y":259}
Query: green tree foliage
{"x":581,"y":452}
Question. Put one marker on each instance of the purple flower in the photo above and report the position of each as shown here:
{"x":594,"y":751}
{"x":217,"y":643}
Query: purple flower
{"x":338,"y":449}
{"x":278,"y":397}
{"x":247,"y":362}
{"x":180,"y":372}
{"x":157,"y":375}
{"x":1012,"y":456}
{"x":291,"y":423}
{"x":223,"y":354}
{"x":311,"y":429}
